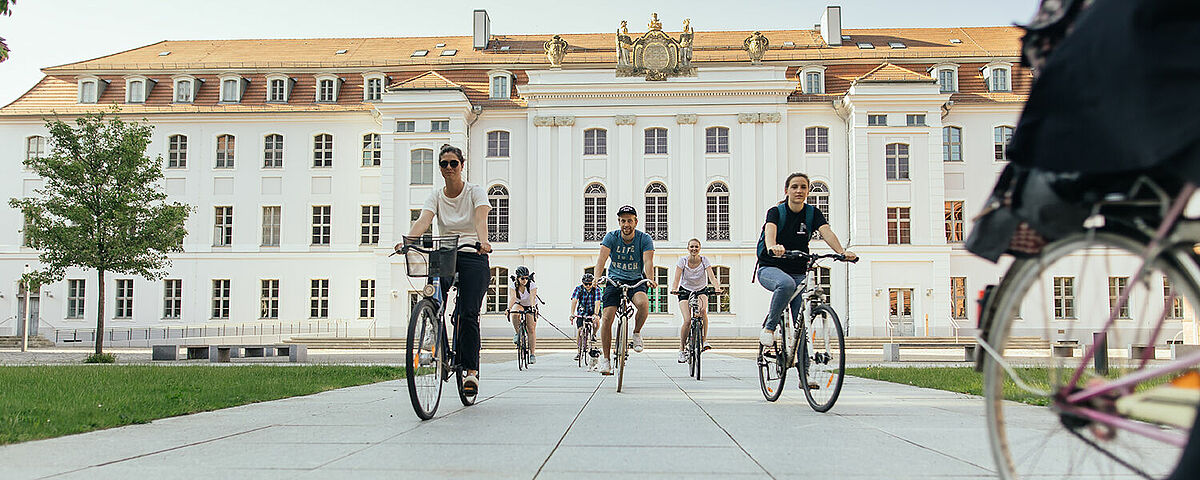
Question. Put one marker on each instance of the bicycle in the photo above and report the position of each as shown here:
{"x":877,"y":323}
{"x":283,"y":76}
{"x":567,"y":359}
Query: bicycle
{"x":625,"y":313}
{"x":823,"y":350}
{"x":695,"y":341}
{"x":1101,"y":410}
{"x":523,"y":337}
{"x":429,"y":355}
{"x":584,"y":331}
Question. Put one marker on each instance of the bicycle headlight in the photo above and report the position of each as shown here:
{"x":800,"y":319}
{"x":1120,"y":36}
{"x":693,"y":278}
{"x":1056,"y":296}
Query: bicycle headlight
{"x":429,"y":290}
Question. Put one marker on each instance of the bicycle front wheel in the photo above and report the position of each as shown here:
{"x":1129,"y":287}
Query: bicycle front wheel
{"x":622,"y":351}
{"x":522,"y":347}
{"x":772,"y":366}
{"x":424,"y":358}
{"x":697,"y":347}
{"x":823,"y":359}
{"x":1066,"y":294}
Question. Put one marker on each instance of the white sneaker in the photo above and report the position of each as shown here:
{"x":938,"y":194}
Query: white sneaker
{"x":605,"y":367}
{"x":683,"y":356}
{"x":637,"y":342}
{"x":766,"y":337}
{"x":707,"y":347}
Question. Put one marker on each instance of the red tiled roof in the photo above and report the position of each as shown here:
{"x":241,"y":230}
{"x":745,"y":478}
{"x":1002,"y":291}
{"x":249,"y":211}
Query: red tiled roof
{"x":889,"y":73}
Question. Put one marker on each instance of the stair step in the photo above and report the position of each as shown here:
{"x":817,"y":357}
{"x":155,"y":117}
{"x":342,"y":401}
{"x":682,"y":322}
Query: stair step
{"x":656,"y":343}
{"x":36,"y":341}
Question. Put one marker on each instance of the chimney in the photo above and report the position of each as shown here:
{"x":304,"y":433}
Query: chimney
{"x":483,"y":29}
{"x":831,"y":25}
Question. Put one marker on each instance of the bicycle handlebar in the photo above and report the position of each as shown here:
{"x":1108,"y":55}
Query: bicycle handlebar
{"x":709,"y":290}
{"x":477,"y":246}
{"x":622,"y":286}
{"x":798,"y":254}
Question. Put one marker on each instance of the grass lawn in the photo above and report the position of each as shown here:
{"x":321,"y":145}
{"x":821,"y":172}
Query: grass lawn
{"x":50,"y":401}
{"x":967,"y":380}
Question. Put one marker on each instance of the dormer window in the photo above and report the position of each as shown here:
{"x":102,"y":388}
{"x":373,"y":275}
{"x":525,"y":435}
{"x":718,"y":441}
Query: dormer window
{"x":947,"y":77}
{"x":501,"y":85}
{"x":90,"y":89}
{"x":186,"y":88}
{"x":279,"y":88}
{"x":232,"y":87}
{"x":998,"y":77}
{"x":137,"y":89}
{"x":373,"y":86}
{"x":813,"y":79}
{"x":327,"y":88}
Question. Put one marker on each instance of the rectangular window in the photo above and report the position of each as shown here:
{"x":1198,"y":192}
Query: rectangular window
{"x":1002,"y":135}
{"x":229,"y":91}
{"x":366,"y":298}
{"x":225,"y":148}
{"x":87,"y":93}
{"x":951,"y":144}
{"x":406,"y":126}
{"x":137,"y":92}
{"x":370,"y":225}
{"x":278,"y":91}
{"x":497,"y":144}
{"x":1064,"y":298}
{"x":35,"y":147}
{"x":124,"y":298}
{"x":896,"y":161}
{"x":172,"y":299}
{"x":319,"y":299}
{"x":720,"y":303}
{"x":220,"y":299}
{"x":1176,"y":310}
{"x":999,"y":80}
{"x":595,"y":141}
{"x":439,"y":126}
{"x":659,"y":298}
{"x":915,"y":119}
{"x":222,"y":226}
{"x":271,"y":218}
{"x":823,"y":281}
{"x":656,"y":141}
{"x":813,"y":83}
{"x":326,"y":92}
{"x":322,"y":224}
{"x":76,"y":293}
{"x":954,"y":221}
{"x":816,"y":140}
{"x":372,"y":151}
{"x":877,"y":120}
{"x":898,"y":225}
{"x":177,"y":151}
{"x":269,"y":299}
{"x":499,"y":87}
{"x":497,"y":296}
{"x":1116,"y":288}
{"x":374,"y":89}
{"x":947,"y":80}
{"x":183,"y":91}
{"x":273,"y":151}
{"x":716,"y":140}
{"x":323,"y":150}
{"x":958,"y":297}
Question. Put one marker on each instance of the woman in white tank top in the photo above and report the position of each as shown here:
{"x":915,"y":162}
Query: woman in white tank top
{"x":522,"y":293}
{"x":693,"y":272}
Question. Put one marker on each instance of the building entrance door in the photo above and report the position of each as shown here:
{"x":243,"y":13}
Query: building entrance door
{"x":900,"y":314}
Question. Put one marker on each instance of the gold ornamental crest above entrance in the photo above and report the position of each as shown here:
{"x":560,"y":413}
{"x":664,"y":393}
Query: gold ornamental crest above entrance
{"x":655,"y":54}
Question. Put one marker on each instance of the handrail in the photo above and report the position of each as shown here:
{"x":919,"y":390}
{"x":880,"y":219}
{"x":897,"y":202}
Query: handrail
{"x":954,"y":324}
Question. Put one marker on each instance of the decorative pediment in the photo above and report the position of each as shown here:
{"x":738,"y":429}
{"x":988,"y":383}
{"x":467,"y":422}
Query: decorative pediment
{"x":655,"y":54}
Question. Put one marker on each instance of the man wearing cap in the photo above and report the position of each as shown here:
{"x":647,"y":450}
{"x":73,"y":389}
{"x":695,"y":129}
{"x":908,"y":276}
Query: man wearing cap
{"x":632,"y":253}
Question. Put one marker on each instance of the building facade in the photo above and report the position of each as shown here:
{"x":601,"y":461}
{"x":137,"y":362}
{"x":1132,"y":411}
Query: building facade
{"x":307,"y":160}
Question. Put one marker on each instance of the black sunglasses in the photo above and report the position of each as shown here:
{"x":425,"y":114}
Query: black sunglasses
{"x":449,"y":163}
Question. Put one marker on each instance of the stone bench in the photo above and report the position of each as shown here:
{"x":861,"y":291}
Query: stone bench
{"x":226,"y":353}
{"x":171,"y":352}
{"x":1064,"y":348}
{"x":1137,"y":351}
{"x":891,"y":351}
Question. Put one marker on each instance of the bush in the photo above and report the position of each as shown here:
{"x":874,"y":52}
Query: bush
{"x":101,"y":358}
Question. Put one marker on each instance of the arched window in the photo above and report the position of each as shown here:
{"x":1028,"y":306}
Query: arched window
{"x":1003,"y":134}
{"x":716,"y":140}
{"x":595,"y":201}
{"x":656,"y":211}
{"x":720,"y":303}
{"x":656,"y":141}
{"x":273,"y":151}
{"x":816,"y":140}
{"x":951,"y":144}
{"x":497,"y":296}
{"x":422,"y":167}
{"x":323,"y":150}
{"x":35,"y":147}
{"x":897,"y":161}
{"x":371,"y":151}
{"x":595,"y":141}
{"x":659,"y":298}
{"x":225,"y":149}
{"x":497,"y":144}
{"x":177,"y":151}
{"x":717,"y":207}
{"x":818,"y":196}
{"x":498,"y":217}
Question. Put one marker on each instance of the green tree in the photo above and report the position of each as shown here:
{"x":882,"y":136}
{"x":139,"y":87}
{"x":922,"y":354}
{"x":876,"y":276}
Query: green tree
{"x":5,"y":9}
{"x":102,"y":205}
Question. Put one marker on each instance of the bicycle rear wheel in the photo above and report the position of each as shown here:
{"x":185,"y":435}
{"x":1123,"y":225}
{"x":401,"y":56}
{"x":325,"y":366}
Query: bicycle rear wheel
{"x":697,"y":346}
{"x":823,"y":359}
{"x":622,"y":351}
{"x":772,"y":365}
{"x":581,"y":345}
{"x":424,"y":358}
{"x":1068,"y":292}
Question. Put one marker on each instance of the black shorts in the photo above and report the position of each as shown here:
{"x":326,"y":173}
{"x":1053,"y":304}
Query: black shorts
{"x":612,"y":294}
{"x":683,"y":294}
{"x":580,"y":318}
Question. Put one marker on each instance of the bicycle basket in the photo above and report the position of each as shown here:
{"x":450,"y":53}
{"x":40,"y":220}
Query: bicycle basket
{"x":439,"y":262}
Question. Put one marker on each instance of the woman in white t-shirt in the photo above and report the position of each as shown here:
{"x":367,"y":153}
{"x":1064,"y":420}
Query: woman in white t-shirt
{"x":693,"y":272}
{"x":461,"y":209}
{"x":522,"y":293}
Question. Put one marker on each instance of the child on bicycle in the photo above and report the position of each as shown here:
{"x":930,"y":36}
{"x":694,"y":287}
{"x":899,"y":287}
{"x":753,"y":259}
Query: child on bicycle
{"x":790,"y":232}
{"x":692,"y":273}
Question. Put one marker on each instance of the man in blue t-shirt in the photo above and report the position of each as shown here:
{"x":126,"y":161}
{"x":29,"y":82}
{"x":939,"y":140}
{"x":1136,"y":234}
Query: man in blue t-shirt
{"x":632,"y":253}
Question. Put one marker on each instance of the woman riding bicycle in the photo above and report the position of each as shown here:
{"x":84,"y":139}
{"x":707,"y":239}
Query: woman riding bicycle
{"x":461,"y":209}
{"x":791,"y":232}
{"x":692,"y":273}
{"x":522,"y":293}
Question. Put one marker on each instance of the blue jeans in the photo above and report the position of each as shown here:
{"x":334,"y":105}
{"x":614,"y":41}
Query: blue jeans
{"x":782,"y":285}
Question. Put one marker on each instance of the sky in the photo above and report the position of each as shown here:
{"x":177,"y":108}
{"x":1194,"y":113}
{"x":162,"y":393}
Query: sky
{"x":43,"y":33}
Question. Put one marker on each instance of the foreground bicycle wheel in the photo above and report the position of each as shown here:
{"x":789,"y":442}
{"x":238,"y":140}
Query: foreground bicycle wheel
{"x":622,"y":351}
{"x":1071,"y":287}
{"x":772,"y":367}
{"x":822,"y":369}
{"x":424,"y":359}
{"x":697,"y":346}
{"x":522,"y":348}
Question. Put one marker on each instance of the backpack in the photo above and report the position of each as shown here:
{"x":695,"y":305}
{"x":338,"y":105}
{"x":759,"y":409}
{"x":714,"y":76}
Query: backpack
{"x":762,"y":236}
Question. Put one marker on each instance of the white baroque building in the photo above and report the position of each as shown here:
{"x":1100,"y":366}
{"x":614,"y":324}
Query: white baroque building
{"x":306,"y":160}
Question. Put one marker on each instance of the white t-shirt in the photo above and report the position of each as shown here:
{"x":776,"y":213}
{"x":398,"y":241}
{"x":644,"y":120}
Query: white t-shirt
{"x":524,"y":299}
{"x":693,"y":278}
{"x":456,"y":216}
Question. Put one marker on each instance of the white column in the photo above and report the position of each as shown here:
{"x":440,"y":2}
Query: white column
{"x":620,"y":165}
{"x":743,"y":183}
{"x":624,"y":182}
{"x":539,"y":211}
{"x":770,"y":184}
{"x":562,"y":166}
{"x":681,"y":187}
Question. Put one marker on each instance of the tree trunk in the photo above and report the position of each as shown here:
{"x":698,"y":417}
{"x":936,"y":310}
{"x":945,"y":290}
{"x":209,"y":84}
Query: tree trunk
{"x":100,"y":317}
